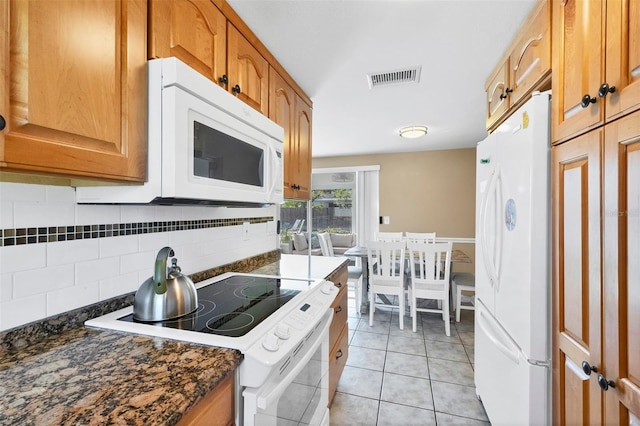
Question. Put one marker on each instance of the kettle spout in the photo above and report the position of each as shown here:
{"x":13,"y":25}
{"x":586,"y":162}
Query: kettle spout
{"x":160,"y":270}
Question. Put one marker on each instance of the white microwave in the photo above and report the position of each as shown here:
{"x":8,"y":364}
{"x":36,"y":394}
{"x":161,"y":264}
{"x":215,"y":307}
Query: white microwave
{"x":205,"y":146}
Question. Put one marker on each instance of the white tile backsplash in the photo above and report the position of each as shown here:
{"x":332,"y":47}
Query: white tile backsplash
{"x":48,"y":278}
{"x":119,"y":246}
{"x":22,"y":311}
{"x":87,"y":214}
{"x":64,"y":252}
{"x":23,"y":258}
{"x":6,"y":287}
{"x":42,"y":280}
{"x":95,"y":270}
{"x":6,"y":213}
{"x":34,"y":214}
{"x":116,"y":286}
{"x":66,"y":299}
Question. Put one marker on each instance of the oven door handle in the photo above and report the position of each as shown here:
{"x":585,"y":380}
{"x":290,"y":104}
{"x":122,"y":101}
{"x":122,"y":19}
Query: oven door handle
{"x":271,"y":393}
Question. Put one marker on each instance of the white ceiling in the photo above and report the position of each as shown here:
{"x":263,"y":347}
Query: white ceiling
{"x":329,"y":47}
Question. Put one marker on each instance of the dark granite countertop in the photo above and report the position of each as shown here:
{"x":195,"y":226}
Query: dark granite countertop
{"x":87,"y":376}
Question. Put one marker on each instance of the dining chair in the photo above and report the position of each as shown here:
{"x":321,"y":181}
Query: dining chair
{"x":354,"y":272}
{"x":385,"y":278}
{"x":388,"y":236}
{"x":463,"y":281}
{"x":416,"y":237}
{"x":430,"y":273}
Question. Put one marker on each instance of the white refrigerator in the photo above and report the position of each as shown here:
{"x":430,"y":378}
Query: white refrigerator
{"x":513,"y":284}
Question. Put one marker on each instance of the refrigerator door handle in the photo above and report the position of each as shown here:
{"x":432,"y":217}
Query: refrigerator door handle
{"x":497,"y":264}
{"x":488,"y":263}
{"x":499,"y":338}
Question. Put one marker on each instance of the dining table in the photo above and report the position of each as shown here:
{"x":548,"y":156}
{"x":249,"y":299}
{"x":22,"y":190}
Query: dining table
{"x":457,"y":256}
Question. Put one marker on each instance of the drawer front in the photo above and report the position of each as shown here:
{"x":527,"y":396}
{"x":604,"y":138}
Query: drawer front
{"x":339,"y":316}
{"x":337,"y":360}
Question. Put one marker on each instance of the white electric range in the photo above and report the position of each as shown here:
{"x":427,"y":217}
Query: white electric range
{"x":281,"y":326}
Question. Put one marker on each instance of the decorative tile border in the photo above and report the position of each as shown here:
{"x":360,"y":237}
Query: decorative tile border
{"x":51,"y":234}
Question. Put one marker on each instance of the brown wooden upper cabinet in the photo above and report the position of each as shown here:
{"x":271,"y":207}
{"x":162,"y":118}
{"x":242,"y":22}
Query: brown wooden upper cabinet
{"x":199,"y":34}
{"x":596,"y":64}
{"x":194,"y":31}
{"x":294,"y":115}
{"x":525,"y":67}
{"x":75,"y":90}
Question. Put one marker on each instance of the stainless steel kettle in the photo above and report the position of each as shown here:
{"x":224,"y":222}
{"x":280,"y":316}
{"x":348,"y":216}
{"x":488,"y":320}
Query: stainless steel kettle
{"x":167,"y":294}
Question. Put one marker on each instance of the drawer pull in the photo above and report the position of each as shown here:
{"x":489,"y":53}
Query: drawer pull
{"x":338,"y":309}
{"x":339,"y":354}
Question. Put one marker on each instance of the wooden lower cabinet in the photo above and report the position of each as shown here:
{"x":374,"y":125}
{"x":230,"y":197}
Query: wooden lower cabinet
{"x":596,"y":276}
{"x":216,"y":408}
{"x":338,"y":331}
{"x":577,"y":287}
{"x":621,"y":270}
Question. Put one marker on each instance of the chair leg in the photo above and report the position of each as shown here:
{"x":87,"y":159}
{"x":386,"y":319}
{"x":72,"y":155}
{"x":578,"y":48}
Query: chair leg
{"x":372,"y":307}
{"x":401,"y":308}
{"x":447,"y":325}
{"x":458,"y":297}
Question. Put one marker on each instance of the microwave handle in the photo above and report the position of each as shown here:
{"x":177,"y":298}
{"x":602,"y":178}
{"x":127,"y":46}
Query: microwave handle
{"x":274,"y":170}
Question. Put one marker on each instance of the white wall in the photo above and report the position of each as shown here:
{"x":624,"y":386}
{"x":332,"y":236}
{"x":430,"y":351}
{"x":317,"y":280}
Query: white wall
{"x":41,"y":279}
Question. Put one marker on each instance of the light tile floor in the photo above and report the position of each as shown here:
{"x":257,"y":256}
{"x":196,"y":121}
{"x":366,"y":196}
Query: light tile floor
{"x":398,"y":377}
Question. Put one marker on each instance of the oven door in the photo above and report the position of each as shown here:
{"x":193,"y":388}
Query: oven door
{"x":299,"y":394}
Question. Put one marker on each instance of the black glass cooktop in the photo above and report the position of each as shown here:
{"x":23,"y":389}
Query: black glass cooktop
{"x":235,"y":305}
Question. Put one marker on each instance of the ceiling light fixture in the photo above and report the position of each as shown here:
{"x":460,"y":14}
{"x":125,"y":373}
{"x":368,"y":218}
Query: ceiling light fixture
{"x":413,"y":132}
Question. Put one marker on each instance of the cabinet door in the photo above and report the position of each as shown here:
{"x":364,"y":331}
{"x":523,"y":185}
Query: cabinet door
{"x":578,"y":66}
{"x":577,"y":294}
{"x":623,"y":57}
{"x":497,"y":95}
{"x":194,"y":31}
{"x":75,"y":100}
{"x":302,"y":140}
{"x":248,"y":71}
{"x":282,"y":100}
{"x":530,"y":61}
{"x":621,"y":269}
{"x":338,"y":357}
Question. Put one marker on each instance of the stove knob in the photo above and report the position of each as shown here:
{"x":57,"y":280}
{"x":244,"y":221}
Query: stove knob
{"x":327,"y":287}
{"x":282,"y":331}
{"x":270,"y":342}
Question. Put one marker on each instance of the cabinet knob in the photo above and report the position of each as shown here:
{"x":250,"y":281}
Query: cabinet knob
{"x":588,"y":368}
{"x":3,"y":123}
{"x":224,"y":79}
{"x":506,"y":93}
{"x":236,"y":89}
{"x":586,"y":100}
{"x":605,"y":89}
{"x":604,"y":383}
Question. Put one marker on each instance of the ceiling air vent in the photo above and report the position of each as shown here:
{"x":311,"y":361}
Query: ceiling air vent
{"x":408,"y":75}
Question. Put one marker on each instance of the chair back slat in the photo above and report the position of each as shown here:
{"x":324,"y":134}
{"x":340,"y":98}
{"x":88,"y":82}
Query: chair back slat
{"x":326,"y":246}
{"x":389,"y":236}
{"x":415,"y":237}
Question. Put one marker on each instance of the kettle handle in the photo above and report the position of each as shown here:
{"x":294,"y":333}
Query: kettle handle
{"x":160,"y":271}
